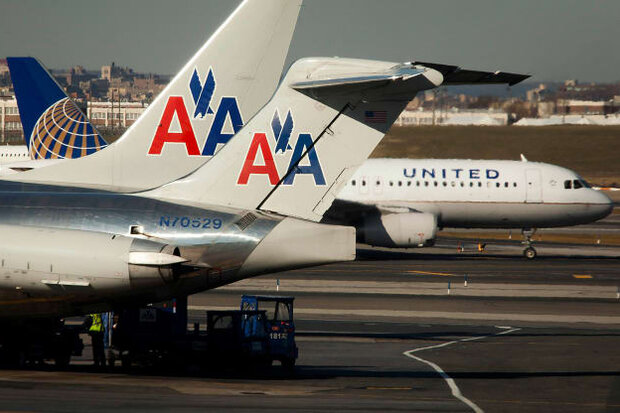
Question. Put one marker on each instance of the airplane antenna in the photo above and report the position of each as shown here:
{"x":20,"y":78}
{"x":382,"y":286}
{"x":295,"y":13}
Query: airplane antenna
{"x":523,"y":158}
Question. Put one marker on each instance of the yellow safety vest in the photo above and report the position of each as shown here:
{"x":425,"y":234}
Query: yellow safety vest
{"x":97,"y":325}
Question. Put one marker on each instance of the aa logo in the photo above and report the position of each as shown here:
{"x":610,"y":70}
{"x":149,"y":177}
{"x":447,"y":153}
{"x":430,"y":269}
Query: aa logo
{"x":260,"y":160}
{"x":202,"y":96}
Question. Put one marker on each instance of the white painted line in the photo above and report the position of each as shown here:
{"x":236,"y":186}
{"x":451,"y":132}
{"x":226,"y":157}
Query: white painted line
{"x":456,"y":392}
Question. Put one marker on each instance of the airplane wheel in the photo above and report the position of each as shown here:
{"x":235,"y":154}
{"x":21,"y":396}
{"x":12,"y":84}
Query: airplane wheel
{"x":529,"y":253}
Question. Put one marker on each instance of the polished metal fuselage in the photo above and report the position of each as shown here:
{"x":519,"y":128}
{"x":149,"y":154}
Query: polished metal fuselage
{"x":210,"y":238}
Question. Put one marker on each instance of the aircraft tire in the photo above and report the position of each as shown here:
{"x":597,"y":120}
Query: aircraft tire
{"x":529,"y":253}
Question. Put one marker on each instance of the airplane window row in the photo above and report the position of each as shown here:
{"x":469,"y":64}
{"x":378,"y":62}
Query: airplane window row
{"x":575,"y":184}
{"x":438,"y":183}
{"x":11,"y":155}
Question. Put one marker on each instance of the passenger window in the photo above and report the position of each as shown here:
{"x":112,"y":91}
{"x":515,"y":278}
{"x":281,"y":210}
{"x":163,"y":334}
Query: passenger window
{"x":497,"y":184}
{"x":577,"y":184}
{"x":353,"y":182}
{"x":567,"y":184}
{"x":445,"y":183}
{"x":471,"y":184}
{"x":452,"y":184}
{"x":378,"y":183}
{"x":479,"y":184}
{"x":514,"y":184}
{"x":417,"y":183}
{"x":505,"y":184}
{"x":436,"y":183}
{"x":425,"y":183}
{"x":400,"y":183}
{"x":462,"y":184}
{"x":391,"y":183}
{"x":363,"y":183}
{"x":408,"y":183}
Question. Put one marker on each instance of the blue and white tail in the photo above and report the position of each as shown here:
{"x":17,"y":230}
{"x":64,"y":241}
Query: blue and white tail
{"x":224,"y":84}
{"x":54,"y":126}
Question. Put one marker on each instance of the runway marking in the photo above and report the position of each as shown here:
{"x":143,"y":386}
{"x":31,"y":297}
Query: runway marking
{"x":582,"y":276}
{"x":456,"y":392}
{"x":444,"y":274}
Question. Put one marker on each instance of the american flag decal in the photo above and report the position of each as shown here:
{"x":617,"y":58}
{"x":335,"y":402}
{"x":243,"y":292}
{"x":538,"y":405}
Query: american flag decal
{"x":375,"y":116}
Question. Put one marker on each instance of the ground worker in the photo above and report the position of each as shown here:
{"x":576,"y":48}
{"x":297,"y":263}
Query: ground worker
{"x":96,"y":332}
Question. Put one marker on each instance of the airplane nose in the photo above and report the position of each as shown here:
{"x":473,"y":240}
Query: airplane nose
{"x":603,"y":205}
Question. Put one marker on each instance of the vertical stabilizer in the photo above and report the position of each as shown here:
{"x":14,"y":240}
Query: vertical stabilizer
{"x":222,"y":86}
{"x":295,"y":155}
{"x":54,"y":126}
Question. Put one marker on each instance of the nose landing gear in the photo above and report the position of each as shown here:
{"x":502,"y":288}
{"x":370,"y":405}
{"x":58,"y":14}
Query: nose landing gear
{"x":529,"y":252}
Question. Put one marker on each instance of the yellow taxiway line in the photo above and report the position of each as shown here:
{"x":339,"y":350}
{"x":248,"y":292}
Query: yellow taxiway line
{"x":443,"y":274}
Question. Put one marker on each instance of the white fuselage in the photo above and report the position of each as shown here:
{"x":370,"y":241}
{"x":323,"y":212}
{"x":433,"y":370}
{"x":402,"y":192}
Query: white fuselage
{"x":478,"y":193}
{"x":16,"y":158}
{"x":13,"y":153}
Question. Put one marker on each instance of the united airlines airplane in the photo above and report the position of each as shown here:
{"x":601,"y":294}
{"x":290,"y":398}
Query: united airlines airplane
{"x":404,"y":202}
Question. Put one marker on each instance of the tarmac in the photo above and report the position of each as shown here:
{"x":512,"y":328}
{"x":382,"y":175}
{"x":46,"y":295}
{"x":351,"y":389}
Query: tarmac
{"x":385,"y":333}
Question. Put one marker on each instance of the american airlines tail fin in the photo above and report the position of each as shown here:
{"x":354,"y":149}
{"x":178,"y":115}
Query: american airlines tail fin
{"x":54,"y":126}
{"x":294,"y":156}
{"x":223,"y":85}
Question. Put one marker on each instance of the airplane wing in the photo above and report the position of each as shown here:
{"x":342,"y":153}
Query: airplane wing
{"x":454,"y":75}
{"x":350,"y":212}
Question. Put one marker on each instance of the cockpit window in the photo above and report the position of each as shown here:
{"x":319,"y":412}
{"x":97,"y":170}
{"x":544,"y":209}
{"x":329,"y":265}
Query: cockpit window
{"x":568,"y":184}
{"x":577,"y":184}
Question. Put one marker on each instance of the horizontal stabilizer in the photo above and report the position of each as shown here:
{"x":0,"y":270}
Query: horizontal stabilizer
{"x":454,"y":75}
{"x":399,"y":72}
{"x":392,"y":82}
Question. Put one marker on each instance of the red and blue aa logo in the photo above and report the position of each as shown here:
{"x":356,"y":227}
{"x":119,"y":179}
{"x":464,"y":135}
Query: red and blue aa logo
{"x":261,"y":148}
{"x":202,"y":92}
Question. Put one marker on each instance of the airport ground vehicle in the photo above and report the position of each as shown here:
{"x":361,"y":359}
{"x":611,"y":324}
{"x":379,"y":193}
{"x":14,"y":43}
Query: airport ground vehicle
{"x":237,"y":338}
{"x":35,"y":341}
{"x":280,"y":324}
{"x":259,"y":333}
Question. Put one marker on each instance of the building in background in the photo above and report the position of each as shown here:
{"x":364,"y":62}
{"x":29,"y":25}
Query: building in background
{"x":10,"y":123}
{"x":114,"y":114}
{"x":480,"y":117}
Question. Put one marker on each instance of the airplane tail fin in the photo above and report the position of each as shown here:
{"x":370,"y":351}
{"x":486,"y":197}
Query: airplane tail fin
{"x":226,"y":82}
{"x":54,"y":126}
{"x":294,"y":156}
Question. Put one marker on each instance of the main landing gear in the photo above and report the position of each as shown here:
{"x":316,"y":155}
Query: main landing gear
{"x":529,"y":252}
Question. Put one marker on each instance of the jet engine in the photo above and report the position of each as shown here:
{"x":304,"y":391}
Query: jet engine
{"x":43,"y":260}
{"x":401,"y":230}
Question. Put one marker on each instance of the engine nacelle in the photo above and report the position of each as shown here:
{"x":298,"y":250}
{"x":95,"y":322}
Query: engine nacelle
{"x":400,"y":230}
{"x":47,"y":260}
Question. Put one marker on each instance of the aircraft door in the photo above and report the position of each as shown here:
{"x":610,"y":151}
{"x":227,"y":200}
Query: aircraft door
{"x":533,"y":186}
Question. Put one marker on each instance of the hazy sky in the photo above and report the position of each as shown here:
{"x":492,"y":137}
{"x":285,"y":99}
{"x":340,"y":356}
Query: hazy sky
{"x":551,"y":39}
